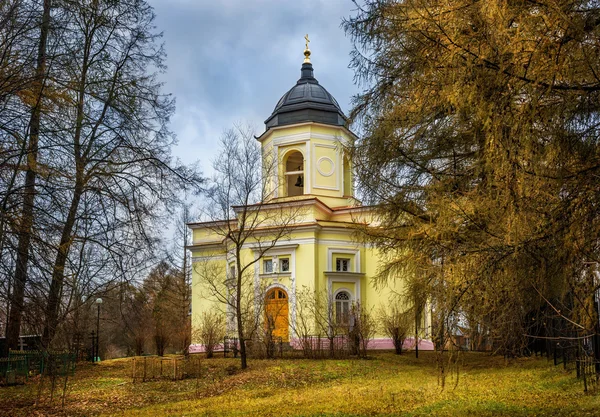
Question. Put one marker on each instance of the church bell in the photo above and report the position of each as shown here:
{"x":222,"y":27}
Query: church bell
{"x":299,"y":181}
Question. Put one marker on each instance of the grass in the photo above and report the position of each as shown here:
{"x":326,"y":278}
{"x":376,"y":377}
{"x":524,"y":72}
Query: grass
{"x":384,"y":385}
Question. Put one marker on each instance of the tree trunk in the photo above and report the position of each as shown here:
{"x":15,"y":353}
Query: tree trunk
{"x":416,"y":332}
{"x":58,"y":272}
{"x":66,"y":239}
{"x":238,"y":307}
{"x":13,"y":327}
{"x":397,"y":341}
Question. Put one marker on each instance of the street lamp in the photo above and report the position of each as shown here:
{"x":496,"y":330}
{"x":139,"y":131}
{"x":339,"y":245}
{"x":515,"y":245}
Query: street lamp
{"x":97,"y":353}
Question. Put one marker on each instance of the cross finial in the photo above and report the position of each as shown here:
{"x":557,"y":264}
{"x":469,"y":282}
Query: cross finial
{"x":306,"y":50}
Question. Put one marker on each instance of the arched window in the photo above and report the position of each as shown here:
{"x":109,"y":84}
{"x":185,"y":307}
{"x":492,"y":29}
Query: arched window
{"x":342,"y":308}
{"x":294,"y":174}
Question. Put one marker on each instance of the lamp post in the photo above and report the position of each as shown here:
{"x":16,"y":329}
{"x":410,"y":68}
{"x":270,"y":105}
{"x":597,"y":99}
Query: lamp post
{"x":97,"y":353}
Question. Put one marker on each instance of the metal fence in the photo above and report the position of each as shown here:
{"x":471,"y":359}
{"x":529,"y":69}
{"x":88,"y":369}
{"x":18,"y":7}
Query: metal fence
{"x":309,"y":347}
{"x":587,"y":368}
{"x":21,"y":365}
{"x":578,"y":354}
{"x":148,"y":368}
{"x":318,"y":347}
{"x":230,"y":345}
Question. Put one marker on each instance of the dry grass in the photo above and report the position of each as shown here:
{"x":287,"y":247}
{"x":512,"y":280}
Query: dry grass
{"x":384,"y":385}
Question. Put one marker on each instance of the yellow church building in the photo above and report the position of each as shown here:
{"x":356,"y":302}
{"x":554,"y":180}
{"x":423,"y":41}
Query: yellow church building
{"x":320,"y":253}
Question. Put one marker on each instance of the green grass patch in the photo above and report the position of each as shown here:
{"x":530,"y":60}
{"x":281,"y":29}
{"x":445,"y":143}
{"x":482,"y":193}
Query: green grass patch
{"x":385,"y":385}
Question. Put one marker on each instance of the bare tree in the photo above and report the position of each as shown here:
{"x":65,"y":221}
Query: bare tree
{"x":320,"y":306}
{"x":115,"y":104}
{"x":240,"y":216}
{"x":87,"y":177}
{"x":180,"y":258}
{"x":25,"y":223}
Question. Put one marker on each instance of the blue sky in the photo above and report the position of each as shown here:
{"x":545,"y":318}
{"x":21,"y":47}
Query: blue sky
{"x":230,"y":61}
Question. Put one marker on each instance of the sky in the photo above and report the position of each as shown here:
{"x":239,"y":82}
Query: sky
{"x":230,"y":61}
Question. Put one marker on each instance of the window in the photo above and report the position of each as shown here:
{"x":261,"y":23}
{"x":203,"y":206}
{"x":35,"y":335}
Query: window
{"x":342,"y":264}
{"x":284,"y":264}
{"x":268,"y":266}
{"x":276,"y":294}
{"x":342,"y":307}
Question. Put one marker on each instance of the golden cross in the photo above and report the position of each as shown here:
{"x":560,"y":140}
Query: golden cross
{"x":307,"y":40}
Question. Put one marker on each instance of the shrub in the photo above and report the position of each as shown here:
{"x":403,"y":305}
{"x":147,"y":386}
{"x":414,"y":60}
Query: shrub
{"x":211,"y":330}
{"x":396,"y":324}
{"x":362,"y":329}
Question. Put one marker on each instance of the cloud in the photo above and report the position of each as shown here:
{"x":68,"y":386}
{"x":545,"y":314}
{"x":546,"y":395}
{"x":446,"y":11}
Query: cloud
{"x":232,"y":60}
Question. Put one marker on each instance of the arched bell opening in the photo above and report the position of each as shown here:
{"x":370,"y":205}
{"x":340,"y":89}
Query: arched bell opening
{"x":294,"y":174}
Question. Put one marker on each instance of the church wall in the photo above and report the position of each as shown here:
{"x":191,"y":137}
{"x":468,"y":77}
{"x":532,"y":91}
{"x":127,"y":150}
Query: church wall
{"x":204,"y":235}
{"x":325,"y":168}
{"x":311,"y":263}
{"x":201,"y":301}
{"x":314,"y":255}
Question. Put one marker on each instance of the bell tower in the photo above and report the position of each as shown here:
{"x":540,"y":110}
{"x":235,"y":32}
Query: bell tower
{"x":303,"y":144}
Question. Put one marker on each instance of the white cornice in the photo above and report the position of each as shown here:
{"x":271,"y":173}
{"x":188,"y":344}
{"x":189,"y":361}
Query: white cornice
{"x":270,"y":131}
{"x":280,"y":204}
{"x":277,"y":249}
{"x":344,"y":275}
{"x":210,"y":224}
{"x":205,"y":246}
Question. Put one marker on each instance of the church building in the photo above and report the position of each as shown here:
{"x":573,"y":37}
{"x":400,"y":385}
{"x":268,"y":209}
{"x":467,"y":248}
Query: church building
{"x":306,"y":133}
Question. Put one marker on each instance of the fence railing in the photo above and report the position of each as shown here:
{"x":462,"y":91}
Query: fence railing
{"x":578,"y":354}
{"x":318,"y":347}
{"x":20,"y":365}
{"x":587,"y":367}
{"x":230,"y":345}
{"x":148,"y":368}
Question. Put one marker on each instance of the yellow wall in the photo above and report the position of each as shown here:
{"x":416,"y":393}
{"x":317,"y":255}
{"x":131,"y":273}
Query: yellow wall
{"x":313,"y":258}
{"x":325,"y":174}
{"x":327,"y":234}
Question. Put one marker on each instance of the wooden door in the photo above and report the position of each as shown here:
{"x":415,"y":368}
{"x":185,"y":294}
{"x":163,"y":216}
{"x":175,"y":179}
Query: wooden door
{"x":276,"y":313}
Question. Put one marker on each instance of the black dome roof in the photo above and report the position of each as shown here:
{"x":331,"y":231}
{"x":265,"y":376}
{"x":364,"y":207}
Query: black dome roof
{"x":307,"y":101}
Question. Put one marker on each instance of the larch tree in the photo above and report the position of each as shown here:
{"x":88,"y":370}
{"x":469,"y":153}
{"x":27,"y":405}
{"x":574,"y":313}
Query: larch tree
{"x":480,"y":149}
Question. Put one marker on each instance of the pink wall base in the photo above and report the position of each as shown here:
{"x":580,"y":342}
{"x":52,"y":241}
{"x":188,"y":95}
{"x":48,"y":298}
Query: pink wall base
{"x":375,"y":344}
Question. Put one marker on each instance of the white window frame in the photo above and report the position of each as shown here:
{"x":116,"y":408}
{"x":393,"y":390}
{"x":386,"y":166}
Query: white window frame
{"x":266,"y":262}
{"x":342,"y":302}
{"x":281,"y":260}
{"x":343,"y":251}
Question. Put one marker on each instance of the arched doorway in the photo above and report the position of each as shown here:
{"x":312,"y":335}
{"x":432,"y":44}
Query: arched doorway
{"x":276,"y":314}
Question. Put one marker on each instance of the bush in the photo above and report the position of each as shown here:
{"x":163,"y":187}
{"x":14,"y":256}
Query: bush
{"x":396,"y":324}
{"x":211,"y":331}
{"x":362,"y":330}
